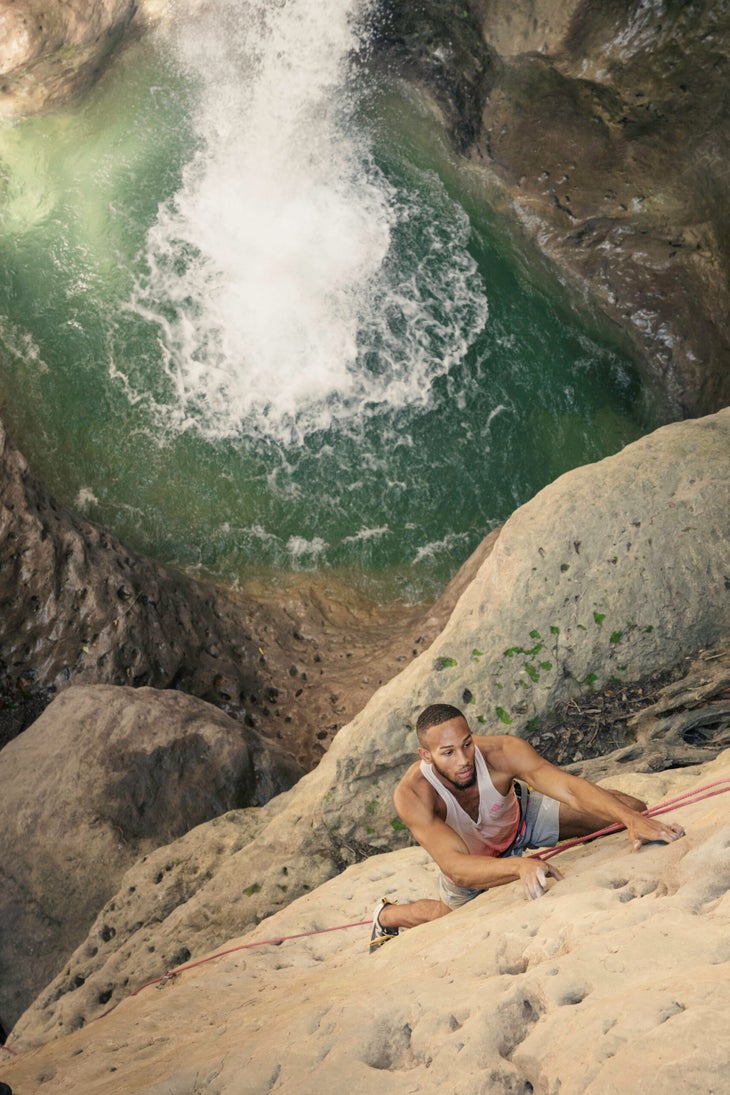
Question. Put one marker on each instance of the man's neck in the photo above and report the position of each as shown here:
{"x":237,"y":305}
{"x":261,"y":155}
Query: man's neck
{"x":467,"y":797}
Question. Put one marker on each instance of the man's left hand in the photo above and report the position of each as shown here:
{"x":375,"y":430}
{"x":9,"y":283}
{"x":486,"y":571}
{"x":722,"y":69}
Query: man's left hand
{"x":645,"y":830}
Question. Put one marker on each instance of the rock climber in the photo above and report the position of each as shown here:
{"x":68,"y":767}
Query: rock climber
{"x":477,"y":803}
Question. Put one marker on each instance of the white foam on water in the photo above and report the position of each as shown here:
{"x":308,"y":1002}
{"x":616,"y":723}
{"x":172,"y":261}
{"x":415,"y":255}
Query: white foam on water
{"x":270,"y":274}
{"x":439,"y":547}
{"x":500,"y":409}
{"x":20,"y":345}
{"x":366,"y":534}
{"x":305,"y":552}
{"x":85,"y":499}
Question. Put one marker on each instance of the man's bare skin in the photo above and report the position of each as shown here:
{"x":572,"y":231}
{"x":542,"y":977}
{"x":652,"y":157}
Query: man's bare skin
{"x":449,"y":747}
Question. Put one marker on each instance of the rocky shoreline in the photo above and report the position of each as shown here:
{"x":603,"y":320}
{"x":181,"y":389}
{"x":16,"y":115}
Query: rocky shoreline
{"x":294,"y":664}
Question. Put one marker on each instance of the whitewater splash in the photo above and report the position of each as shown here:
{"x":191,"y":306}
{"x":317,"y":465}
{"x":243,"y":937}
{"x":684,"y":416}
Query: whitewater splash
{"x":285,"y":279}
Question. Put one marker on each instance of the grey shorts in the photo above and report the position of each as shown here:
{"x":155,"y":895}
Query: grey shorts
{"x":542,"y":830}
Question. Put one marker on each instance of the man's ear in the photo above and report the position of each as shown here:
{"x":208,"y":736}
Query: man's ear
{"x":424,"y":755}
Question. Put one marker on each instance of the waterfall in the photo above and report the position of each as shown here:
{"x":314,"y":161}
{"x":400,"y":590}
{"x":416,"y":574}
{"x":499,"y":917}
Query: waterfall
{"x":284,"y":292}
{"x":243,"y":312}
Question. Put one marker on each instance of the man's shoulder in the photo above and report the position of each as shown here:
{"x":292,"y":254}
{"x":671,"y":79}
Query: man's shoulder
{"x":500,"y":751}
{"x":492,"y":744}
{"x":414,"y":779}
{"x":417,"y":803}
{"x":414,"y":787}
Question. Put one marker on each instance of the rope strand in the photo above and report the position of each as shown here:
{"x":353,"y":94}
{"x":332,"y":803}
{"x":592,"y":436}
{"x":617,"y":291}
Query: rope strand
{"x":687,"y":798}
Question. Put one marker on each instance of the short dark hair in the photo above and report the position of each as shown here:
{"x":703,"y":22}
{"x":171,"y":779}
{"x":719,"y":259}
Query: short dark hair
{"x":435,"y":715}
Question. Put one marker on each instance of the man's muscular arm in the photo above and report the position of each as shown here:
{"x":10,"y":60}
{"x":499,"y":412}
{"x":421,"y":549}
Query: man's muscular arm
{"x":518,"y":758}
{"x":451,"y":854}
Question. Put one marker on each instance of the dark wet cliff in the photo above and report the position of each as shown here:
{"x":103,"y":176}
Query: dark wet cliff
{"x":602,"y":131}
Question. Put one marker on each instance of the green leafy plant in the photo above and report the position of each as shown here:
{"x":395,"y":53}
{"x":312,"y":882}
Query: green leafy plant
{"x":445,"y":663}
{"x":512,"y":650}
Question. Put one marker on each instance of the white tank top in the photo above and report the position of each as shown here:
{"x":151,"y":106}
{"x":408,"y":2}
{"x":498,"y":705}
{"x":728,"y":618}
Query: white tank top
{"x":499,"y":815}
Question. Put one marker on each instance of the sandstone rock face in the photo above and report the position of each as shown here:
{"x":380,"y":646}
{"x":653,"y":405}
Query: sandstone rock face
{"x":103,"y":777}
{"x":613,"y":571}
{"x":614,"y":981}
{"x":603,"y":129}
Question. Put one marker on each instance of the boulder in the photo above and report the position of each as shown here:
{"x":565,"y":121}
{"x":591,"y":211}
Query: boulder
{"x":106,"y":775}
{"x":612,"y":572}
{"x":49,"y":52}
{"x":614,"y":981}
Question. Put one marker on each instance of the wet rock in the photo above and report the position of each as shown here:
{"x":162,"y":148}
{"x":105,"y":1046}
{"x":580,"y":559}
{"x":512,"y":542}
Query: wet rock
{"x":602,"y":132}
{"x":52,"y":51}
{"x":439,"y":44}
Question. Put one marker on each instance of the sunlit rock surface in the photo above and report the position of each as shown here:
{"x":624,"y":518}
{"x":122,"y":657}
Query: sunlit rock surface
{"x":615,"y":980}
{"x":613,"y":571}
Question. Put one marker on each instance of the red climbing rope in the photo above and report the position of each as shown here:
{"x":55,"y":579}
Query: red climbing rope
{"x":685,"y":799}
{"x":688,"y":798}
{"x":242,"y":947}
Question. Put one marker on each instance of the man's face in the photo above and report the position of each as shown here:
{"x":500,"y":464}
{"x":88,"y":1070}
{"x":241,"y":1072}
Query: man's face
{"x":450,"y":747}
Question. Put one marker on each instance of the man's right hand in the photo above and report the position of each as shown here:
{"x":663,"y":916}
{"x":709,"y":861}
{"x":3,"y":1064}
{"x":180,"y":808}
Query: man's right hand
{"x":534,"y":874}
